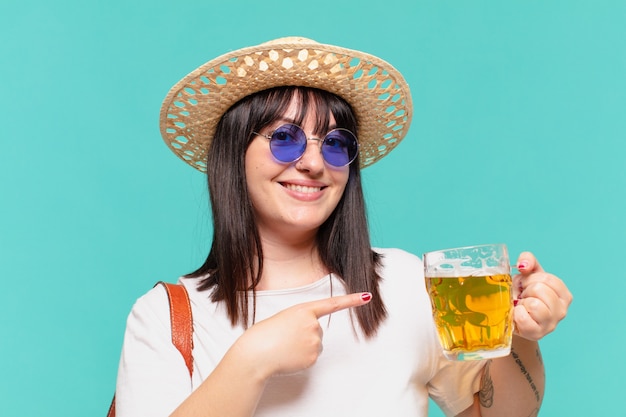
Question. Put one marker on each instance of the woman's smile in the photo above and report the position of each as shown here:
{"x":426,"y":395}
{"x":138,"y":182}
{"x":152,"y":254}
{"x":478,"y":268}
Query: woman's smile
{"x":301,"y":188}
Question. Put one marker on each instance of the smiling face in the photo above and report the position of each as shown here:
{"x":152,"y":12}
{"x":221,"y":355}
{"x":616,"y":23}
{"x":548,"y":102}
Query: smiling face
{"x":292,"y":200}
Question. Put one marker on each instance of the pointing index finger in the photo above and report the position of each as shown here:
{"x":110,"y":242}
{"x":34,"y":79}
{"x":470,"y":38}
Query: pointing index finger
{"x":330,"y":305}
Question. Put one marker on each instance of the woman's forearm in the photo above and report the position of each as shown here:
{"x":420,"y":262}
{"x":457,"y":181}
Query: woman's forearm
{"x":514,"y":385}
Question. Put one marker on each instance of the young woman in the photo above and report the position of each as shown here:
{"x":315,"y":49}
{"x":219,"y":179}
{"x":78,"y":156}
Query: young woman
{"x":294,"y":313}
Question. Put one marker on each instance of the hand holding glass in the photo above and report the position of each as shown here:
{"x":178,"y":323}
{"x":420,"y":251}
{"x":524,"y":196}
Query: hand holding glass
{"x":472,"y":302}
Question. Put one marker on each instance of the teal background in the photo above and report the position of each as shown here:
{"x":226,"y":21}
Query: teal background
{"x":518,"y":136}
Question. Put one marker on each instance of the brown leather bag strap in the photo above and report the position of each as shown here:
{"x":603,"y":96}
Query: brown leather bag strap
{"x":111,"y":412}
{"x":182,"y":321}
{"x":182,"y":326}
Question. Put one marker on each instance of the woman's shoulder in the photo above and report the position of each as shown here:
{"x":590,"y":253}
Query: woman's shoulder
{"x":402,"y":273}
{"x":396,"y":257}
{"x":154,"y":305}
{"x":151,"y":304}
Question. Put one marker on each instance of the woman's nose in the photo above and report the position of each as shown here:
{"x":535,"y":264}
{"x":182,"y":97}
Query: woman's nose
{"x":311,"y":160}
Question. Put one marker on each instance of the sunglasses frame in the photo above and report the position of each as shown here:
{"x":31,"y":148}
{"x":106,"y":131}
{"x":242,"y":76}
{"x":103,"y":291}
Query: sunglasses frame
{"x":321,"y":141}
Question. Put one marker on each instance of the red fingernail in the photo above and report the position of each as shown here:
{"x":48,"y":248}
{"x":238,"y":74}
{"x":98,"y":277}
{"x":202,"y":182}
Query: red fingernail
{"x":366,"y":296}
{"x":522,"y":265}
{"x":515,"y":302}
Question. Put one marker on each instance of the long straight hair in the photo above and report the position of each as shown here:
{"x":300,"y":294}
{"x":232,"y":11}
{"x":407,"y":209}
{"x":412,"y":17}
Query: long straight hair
{"x":234,"y":265}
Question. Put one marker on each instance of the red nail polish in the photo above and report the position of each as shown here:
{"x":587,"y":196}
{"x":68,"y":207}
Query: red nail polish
{"x":522,"y":265}
{"x":515,"y":302}
{"x":366,"y":296}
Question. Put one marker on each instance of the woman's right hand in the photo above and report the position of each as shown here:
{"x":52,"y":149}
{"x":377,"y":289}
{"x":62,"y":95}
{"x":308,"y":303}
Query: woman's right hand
{"x":291,"y":340}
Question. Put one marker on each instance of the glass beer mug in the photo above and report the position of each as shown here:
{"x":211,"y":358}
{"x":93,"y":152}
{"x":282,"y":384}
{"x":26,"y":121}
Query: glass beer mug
{"x":471,"y":295}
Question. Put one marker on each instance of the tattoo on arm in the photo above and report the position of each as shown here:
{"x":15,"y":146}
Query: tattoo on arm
{"x":529,"y":378}
{"x":540,"y":358}
{"x":485,"y":395}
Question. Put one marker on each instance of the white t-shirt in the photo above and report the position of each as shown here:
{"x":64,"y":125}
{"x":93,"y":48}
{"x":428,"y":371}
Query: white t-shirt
{"x":391,"y":374}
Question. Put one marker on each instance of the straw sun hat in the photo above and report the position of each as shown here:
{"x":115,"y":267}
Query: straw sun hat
{"x":377,"y":92}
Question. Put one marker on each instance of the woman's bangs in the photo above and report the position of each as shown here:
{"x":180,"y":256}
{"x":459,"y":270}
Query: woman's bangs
{"x":307,"y":100}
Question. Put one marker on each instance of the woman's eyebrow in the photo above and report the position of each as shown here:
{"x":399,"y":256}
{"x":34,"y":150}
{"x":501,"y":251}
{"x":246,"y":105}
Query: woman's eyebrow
{"x":286,"y":120}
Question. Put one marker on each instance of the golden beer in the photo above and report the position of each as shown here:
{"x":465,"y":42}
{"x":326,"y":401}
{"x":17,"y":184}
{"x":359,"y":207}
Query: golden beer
{"x":473,"y":314}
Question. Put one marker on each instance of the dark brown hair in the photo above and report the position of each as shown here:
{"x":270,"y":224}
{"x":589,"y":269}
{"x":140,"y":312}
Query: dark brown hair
{"x":235,"y":261}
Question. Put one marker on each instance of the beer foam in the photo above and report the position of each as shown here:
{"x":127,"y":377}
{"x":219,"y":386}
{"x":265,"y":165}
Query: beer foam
{"x":455,"y":268}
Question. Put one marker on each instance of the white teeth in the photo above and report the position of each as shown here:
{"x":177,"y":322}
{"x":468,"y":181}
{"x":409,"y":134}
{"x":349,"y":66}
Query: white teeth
{"x":302,"y":188}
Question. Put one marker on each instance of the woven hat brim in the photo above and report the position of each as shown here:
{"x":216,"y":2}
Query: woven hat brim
{"x":377,"y":92}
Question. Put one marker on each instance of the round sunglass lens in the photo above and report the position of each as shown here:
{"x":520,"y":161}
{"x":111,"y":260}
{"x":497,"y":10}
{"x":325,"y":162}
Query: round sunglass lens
{"x":340,"y":147}
{"x":288,"y":143}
